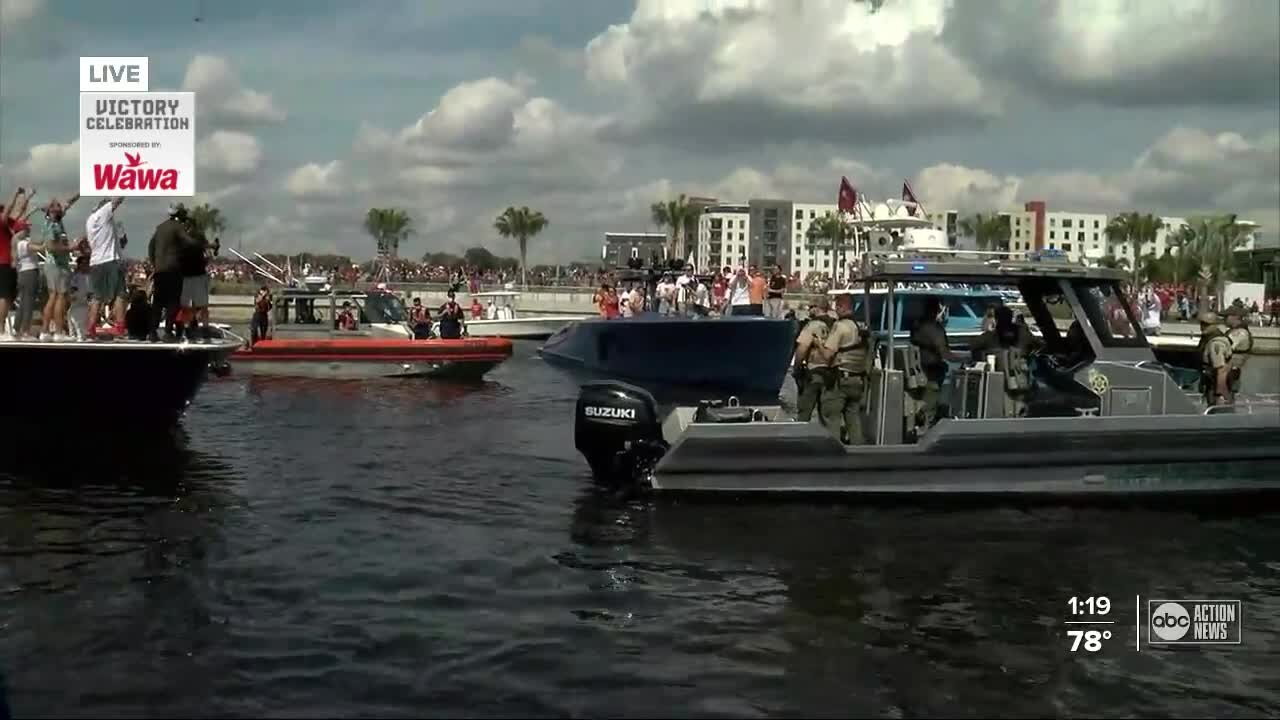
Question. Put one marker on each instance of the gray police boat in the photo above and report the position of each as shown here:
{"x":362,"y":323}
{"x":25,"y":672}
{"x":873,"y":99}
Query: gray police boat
{"x":1104,"y":417}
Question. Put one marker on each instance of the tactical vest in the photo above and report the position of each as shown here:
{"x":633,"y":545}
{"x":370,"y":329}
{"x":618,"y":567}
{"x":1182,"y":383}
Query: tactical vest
{"x":852,"y":357}
{"x":1208,"y":338}
{"x":819,"y":328}
{"x":1011,"y":362}
{"x":1241,"y":345}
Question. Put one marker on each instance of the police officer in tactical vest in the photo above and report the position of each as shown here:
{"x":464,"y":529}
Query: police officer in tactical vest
{"x":1010,"y":344}
{"x":846,"y":349}
{"x":1241,"y":345}
{"x":1215,"y":361}
{"x":810,"y":368}
{"x":931,"y":338}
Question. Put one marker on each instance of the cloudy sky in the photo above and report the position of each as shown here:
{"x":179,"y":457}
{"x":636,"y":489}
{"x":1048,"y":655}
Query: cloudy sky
{"x":312,"y":111}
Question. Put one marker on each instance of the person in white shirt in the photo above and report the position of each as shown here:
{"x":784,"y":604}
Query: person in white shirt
{"x":28,"y":261}
{"x":684,"y":290}
{"x":666,"y":295}
{"x":636,"y":300}
{"x":700,"y":305}
{"x":106,"y":272}
{"x":740,"y":293}
{"x":1151,"y":311}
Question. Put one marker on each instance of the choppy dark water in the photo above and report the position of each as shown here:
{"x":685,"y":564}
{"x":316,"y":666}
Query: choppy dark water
{"x":395,"y":549}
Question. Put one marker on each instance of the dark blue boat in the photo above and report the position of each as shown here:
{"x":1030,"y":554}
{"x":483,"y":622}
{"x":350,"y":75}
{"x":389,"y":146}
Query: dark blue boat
{"x":733,"y":355}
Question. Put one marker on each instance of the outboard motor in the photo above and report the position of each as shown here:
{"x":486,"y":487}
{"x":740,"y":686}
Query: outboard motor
{"x":616,"y":428}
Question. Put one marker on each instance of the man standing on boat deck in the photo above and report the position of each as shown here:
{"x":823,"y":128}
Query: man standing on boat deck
{"x":1241,"y":345}
{"x":106,"y":274}
{"x":1215,"y":361}
{"x":931,"y":338}
{"x":846,"y":348}
{"x":809,"y":369}
{"x":164,"y":252}
{"x":777,"y":287}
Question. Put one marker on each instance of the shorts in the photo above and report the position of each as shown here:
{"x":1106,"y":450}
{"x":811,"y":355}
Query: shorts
{"x":107,"y":281}
{"x":58,"y":278}
{"x":195,"y":291}
{"x":8,"y":283}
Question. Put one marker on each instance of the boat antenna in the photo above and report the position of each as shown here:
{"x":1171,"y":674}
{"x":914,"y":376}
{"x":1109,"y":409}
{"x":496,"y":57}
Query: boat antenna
{"x":257,"y":267}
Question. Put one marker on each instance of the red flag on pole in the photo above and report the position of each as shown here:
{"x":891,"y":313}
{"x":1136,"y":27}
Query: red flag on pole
{"x":910,"y":197}
{"x":848,"y":197}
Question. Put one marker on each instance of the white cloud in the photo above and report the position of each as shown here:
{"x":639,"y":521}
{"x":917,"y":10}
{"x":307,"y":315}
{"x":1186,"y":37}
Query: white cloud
{"x":1185,"y":171}
{"x":719,"y":72}
{"x":1126,"y":53}
{"x":221,"y":97}
{"x":315,"y":180}
{"x":56,"y":164}
{"x":15,"y":12}
{"x":229,"y":153}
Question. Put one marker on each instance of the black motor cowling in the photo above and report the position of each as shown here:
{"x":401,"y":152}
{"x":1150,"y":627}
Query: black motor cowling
{"x":617,"y":429}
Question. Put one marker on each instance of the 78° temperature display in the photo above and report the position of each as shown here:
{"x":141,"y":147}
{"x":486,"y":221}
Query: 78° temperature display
{"x":1087,"y":622}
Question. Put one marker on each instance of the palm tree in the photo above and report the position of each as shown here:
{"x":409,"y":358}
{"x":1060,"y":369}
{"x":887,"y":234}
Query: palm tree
{"x":674,"y":214}
{"x":208,"y":220}
{"x":1215,"y":241}
{"x":521,"y":224}
{"x":831,"y":231}
{"x":388,"y":227}
{"x":989,"y":230}
{"x":1136,"y":230}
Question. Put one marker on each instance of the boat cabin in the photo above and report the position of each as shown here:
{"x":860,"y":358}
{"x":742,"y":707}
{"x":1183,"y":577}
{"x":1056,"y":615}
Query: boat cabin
{"x":304,"y":310}
{"x":1101,"y":365}
{"x":498,"y":304}
{"x":963,"y":307}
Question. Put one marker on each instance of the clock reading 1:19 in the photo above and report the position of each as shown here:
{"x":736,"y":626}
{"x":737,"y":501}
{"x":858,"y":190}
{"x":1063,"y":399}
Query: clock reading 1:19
{"x":1100,"y":605}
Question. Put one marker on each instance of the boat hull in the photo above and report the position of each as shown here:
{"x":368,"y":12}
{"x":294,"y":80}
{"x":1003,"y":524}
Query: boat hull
{"x":362,"y":358}
{"x":1027,"y":457}
{"x":534,"y":328}
{"x":49,"y":380}
{"x":746,"y":356}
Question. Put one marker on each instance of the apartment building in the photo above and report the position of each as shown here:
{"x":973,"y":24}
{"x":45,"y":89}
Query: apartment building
{"x":818,"y":255}
{"x":1077,"y":235}
{"x":771,"y":234}
{"x":723,"y":236}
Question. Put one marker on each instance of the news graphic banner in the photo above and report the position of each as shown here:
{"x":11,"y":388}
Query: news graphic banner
{"x":133,"y":142}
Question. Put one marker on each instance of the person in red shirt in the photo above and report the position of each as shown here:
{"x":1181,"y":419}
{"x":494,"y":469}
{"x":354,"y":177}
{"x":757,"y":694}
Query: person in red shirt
{"x":477,"y":310}
{"x":610,"y":304}
{"x":347,"y":318}
{"x":12,"y":223}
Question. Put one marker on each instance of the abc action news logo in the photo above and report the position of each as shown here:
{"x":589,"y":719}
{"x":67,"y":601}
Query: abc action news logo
{"x":1194,"y":622}
{"x":133,"y":142}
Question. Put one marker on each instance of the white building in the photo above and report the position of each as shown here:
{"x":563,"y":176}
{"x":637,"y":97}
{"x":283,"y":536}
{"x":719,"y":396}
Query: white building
{"x":724,"y":233}
{"x":1077,"y":235}
{"x":816,"y":256}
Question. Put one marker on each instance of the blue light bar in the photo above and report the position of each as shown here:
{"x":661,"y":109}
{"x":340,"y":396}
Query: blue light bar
{"x":917,"y":268}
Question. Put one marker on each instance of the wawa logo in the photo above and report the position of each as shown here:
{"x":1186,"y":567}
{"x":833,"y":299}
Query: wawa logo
{"x":133,"y":176}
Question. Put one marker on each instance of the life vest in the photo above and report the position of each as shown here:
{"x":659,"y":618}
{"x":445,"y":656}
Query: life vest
{"x":852,"y":358}
{"x":1210,"y":337}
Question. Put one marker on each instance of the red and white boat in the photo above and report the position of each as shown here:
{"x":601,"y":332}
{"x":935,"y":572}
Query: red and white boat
{"x":306,"y":341}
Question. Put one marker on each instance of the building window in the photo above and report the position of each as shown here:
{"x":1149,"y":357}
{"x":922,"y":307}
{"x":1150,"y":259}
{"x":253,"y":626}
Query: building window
{"x":1066,"y":247}
{"x":797,"y":227}
{"x":811,"y":214}
{"x":1080,"y":236}
{"x":1095,"y":224}
{"x":1095,"y":235}
{"x":740,"y":237}
{"x":1053,"y":222}
{"x":811,"y":263}
{"x":1017,"y":233}
{"x":1017,"y":222}
{"x":1066,"y":222}
{"x":1052,"y":234}
{"x":799,"y":214}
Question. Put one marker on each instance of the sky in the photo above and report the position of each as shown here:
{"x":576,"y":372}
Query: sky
{"x":312,"y":111}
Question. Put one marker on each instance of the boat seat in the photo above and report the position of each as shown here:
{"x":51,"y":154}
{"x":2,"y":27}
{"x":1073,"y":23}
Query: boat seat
{"x":714,"y":411}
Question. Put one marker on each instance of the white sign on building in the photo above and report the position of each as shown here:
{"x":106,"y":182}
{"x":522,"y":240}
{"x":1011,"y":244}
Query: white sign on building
{"x":134,"y":143}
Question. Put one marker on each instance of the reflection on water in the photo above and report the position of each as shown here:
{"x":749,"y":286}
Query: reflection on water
{"x":401,"y":549}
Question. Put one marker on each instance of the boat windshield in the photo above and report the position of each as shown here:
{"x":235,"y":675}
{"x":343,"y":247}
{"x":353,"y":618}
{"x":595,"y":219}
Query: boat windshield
{"x":384,"y":308}
{"x":1109,"y":313}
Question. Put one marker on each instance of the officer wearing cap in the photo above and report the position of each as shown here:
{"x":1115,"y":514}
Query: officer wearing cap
{"x":1215,"y":361}
{"x":847,"y":348}
{"x":1241,"y":344}
{"x":811,"y":377}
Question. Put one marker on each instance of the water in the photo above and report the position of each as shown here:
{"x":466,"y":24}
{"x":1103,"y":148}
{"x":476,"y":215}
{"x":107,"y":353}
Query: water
{"x":406,"y":550}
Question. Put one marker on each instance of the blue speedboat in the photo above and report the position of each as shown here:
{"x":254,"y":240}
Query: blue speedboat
{"x":733,"y":355}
